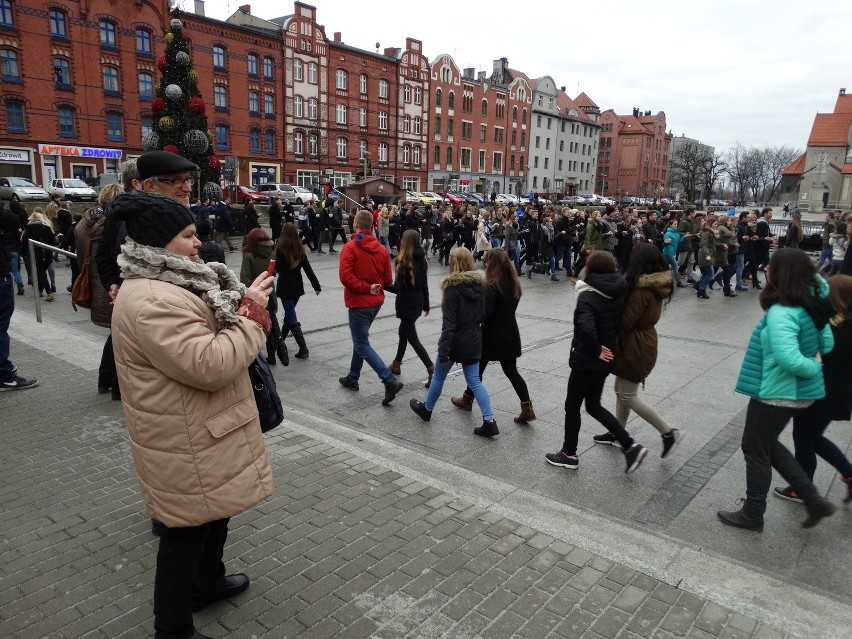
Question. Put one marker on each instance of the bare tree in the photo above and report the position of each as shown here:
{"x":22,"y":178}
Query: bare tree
{"x":756,"y":172}
{"x":686,"y":168}
{"x":776,"y":159}
{"x":711,"y":170}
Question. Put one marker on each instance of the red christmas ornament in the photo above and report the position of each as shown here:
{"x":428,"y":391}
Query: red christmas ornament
{"x":196,"y":105}
{"x":158,"y":104}
{"x":171,"y":148}
{"x":162,"y":63}
{"x":214,"y":163}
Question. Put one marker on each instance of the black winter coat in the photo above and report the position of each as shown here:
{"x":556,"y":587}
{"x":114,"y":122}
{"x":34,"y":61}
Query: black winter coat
{"x":411,"y":301}
{"x":597,"y":321}
{"x":464,"y":309}
{"x":211,"y":251}
{"x":290,"y":285}
{"x":501,"y":338}
{"x":837,"y":403}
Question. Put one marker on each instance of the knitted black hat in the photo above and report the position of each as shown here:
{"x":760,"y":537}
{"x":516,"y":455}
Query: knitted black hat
{"x":152,"y":219}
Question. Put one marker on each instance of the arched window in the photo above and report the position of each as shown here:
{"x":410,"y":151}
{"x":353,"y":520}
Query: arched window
{"x":251,"y":61}
{"x":268,"y":68}
{"x":415,"y":159}
{"x":298,"y":143}
{"x":254,"y":140}
{"x":406,"y":154}
{"x":146,"y":86}
{"x":406,"y":93}
{"x":222,"y":142}
{"x":67,"y":122}
{"x":485,"y":108}
{"x":110,"y":77}
{"x":62,"y":73}
{"x":58,"y":24}
{"x":143,"y":42}
{"x":218,"y":58}
{"x":107,"y":34}
{"x":269,"y":105}
{"x":445,"y":74}
{"x":9,"y":65}
{"x":383,"y":89}
{"x":220,"y":97}
{"x":524,"y":119}
{"x":417,"y":123}
{"x":269,"y":141}
{"x":438,"y":94}
{"x":514,"y":114}
{"x":341,"y":80}
{"x":362,"y":84}
{"x":406,"y":124}
{"x":15,"y":120}
{"x":114,"y":126}
{"x":451,"y":100}
{"x":449,"y":155}
{"x":437,"y":155}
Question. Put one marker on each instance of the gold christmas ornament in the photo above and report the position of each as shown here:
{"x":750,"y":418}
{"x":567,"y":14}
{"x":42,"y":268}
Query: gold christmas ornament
{"x":170,"y":37}
{"x":167,"y":123}
{"x":194,"y":77}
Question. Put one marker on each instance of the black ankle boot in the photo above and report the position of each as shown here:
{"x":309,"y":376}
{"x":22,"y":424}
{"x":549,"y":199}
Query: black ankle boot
{"x":741,"y":519}
{"x":270,"y":358}
{"x":818,"y":508}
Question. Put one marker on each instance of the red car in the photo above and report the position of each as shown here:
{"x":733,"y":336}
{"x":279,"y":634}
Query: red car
{"x":239,"y":194}
{"x":455,"y":198}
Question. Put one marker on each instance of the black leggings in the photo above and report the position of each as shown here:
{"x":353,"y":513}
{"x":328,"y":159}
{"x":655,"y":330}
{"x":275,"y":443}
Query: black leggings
{"x":510,"y":370}
{"x":408,"y":335}
{"x":585,"y":386}
{"x":809,"y":441}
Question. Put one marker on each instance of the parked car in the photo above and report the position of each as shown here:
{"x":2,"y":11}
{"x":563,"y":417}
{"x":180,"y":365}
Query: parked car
{"x":456,"y":199}
{"x":307,"y":195}
{"x":21,"y":189}
{"x":474,"y":198}
{"x":239,"y":194}
{"x":416,"y":197}
{"x":566,"y":201}
{"x":504,"y":199}
{"x":72,"y":189}
{"x":440,"y":199}
{"x":605,"y":201}
{"x":286,"y":192}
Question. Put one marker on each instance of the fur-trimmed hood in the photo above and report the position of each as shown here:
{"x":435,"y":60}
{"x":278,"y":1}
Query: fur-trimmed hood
{"x":660,"y":283}
{"x":463,"y":277}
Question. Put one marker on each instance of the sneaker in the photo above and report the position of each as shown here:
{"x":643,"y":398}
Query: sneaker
{"x":788,"y":493}
{"x":348,"y":383}
{"x":391,"y":389}
{"x":606,"y":438}
{"x":420,"y":408}
{"x":634,"y":457}
{"x":670,"y":440}
{"x":16,"y":382}
{"x":741,"y":289}
{"x":563,"y":460}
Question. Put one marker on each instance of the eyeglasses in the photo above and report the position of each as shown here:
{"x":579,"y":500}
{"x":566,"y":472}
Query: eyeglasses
{"x":177,"y":181}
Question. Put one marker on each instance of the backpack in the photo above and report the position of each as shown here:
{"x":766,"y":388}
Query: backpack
{"x":269,"y":407}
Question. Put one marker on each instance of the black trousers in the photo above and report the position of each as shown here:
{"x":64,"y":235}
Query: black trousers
{"x":189,"y":560}
{"x":332,"y":235}
{"x":510,"y":370}
{"x":408,"y":335}
{"x":809,"y":440}
{"x":763,"y":452}
{"x":585,"y":386}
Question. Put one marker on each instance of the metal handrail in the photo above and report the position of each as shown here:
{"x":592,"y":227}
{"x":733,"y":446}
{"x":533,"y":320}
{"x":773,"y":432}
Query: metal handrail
{"x":346,"y":197}
{"x":34,"y":268}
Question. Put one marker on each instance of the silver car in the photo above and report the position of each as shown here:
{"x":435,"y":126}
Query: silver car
{"x":72,"y":189}
{"x":21,"y":189}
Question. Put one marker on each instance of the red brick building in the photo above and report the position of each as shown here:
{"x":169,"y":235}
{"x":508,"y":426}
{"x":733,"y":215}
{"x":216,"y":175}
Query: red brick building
{"x":479,"y":128}
{"x":633,"y":155}
{"x":61,"y":117}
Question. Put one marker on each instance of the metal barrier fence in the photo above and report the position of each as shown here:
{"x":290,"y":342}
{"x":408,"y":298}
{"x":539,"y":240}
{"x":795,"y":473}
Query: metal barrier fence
{"x":34,"y":271}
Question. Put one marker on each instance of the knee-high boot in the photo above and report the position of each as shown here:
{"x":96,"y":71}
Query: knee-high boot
{"x":303,"y":352}
{"x":272,"y":343}
{"x":280,"y":345}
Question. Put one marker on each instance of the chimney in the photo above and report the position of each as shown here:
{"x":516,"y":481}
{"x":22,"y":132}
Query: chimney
{"x":337,"y":36}
{"x":648,"y":112}
{"x":246,"y":8}
{"x":562,"y":88}
{"x":467,"y":74}
{"x":635,"y":112}
{"x":843,"y":91}
{"x":481,"y":76}
{"x":199,"y":8}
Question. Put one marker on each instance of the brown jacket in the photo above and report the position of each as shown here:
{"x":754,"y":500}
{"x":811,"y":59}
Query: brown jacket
{"x":638,"y":338}
{"x":189,"y":405}
{"x":89,"y":232}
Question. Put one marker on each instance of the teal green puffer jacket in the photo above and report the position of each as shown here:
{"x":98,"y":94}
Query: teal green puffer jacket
{"x":779,"y":361}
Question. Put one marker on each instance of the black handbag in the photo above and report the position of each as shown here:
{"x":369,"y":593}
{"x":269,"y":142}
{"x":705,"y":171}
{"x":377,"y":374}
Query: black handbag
{"x":269,"y":407}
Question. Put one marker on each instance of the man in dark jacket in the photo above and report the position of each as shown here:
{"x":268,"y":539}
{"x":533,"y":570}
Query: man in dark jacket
{"x":224,"y":225}
{"x":325,"y":226}
{"x":9,"y":378}
{"x":564,"y":236}
{"x":275,"y":216}
{"x":209,"y":251}
{"x":336,"y":222}
{"x":364,"y":271}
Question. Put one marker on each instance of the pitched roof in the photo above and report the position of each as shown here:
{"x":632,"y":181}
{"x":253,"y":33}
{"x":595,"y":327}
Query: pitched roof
{"x":565,"y":104}
{"x":843,"y":104}
{"x":631,"y":124}
{"x":796,"y":167}
{"x":830,"y":129}
{"x":583,"y":100}
{"x":847,"y":169}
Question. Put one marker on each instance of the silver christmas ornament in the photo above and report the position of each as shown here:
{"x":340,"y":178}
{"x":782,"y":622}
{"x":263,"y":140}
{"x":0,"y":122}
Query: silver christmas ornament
{"x":174,"y":92}
{"x":182,"y":58}
{"x":195,"y":141}
{"x":151,"y":141}
{"x":213,"y":191}
{"x":176,"y":24}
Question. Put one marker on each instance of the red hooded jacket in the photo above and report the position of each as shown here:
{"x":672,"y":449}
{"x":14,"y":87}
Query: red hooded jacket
{"x":364,"y":261}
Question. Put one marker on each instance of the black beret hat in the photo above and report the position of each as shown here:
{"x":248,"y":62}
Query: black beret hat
{"x":151,"y":219}
{"x":156,"y":163}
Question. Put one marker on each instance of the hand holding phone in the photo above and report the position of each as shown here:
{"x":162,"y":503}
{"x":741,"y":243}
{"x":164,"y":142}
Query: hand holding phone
{"x":270,"y":270}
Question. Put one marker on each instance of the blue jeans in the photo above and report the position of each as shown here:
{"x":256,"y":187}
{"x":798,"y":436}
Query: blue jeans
{"x":360,"y":320}
{"x":14,"y":263}
{"x":824,"y":256}
{"x":7,"y":307}
{"x":706,"y":275}
{"x":740,"y":266}
{"x":290,"y":311}
{"x":513,"y":255}
{"x":471,"y":376}
{"x":671,"y":260}
{"x":384,"y":240}
{"x":563,"y":252}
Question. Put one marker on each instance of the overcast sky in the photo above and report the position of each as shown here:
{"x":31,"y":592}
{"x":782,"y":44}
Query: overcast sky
{"x":724,"y":71}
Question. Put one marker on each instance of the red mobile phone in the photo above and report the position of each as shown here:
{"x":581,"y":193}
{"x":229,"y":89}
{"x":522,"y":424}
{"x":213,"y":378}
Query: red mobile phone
{"x":270,"y":270}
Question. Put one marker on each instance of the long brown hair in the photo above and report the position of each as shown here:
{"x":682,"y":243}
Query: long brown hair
{"x":792,"y":280}
{"x":405,"y":258}
{"x":797,"y":222}
{"x":500,"y":272}
{"x":840,"y":297}
{"x":289,"y":247}
{"x":254,"y":237}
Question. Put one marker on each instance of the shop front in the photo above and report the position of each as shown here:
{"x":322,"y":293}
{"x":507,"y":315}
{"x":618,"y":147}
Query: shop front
{"x":82,"y":162}
{"x":263,"y":173}
{"x":16,"y":162}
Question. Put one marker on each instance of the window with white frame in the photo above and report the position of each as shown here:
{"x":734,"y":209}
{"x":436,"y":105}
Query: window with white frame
{"x":383,"y":89}
{"x":362,"y":117}
{"x":383,"y":152}
{"x":406,"y":154}
{"x":362,"y":83}
{"x":498,"y":162}
{"x":406,"y":93}
{"x":254,"y":103}
{"x":313,"y":144}
{"x":341,"y":114}
{"x":362,"y":149}
{"x":418,"y":96}
{"x":417,"y":123}
{"x":341,"y":79}
{"x":383,"y":120}
{"x":312,"y":72}
{"x":298,"y":70}
{"x":341,"y":148}
{"x":269,"y":105}
{"x":298,"y":106}
{"x":415,"y":156}
{"x":406,"y":124}
{"x":251,"y":61}
{"x":312,"y":109}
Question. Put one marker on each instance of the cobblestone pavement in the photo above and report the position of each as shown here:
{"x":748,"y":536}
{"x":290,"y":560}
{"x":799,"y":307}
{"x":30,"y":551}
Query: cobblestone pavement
{"x":380,"y":529}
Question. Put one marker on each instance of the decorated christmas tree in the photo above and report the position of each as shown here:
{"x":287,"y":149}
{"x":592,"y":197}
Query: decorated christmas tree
{"x":180,"y":115}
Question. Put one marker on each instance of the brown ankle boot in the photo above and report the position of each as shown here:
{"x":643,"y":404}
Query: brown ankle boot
{"x":431,"y":370}
{"x":395,"y":367}
{"x":465,"y":402}
{"x":527,"y":413}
